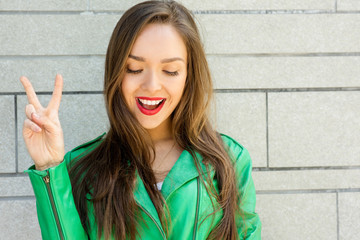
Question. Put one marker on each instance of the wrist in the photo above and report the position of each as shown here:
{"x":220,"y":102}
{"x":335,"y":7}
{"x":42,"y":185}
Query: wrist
{"x":44,"y":167}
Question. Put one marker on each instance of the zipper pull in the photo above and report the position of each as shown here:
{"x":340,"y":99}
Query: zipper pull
{"x":46,"y":179}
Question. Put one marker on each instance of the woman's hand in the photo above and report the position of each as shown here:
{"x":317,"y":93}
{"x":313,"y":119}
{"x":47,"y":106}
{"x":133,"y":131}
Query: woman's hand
{"x":42,"y":131}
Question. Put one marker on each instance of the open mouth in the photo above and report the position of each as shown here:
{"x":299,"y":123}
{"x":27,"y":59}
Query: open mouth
{"x":150,"y":106}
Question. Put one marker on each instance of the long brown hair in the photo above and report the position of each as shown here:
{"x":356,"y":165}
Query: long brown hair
{"x":106,"y":175}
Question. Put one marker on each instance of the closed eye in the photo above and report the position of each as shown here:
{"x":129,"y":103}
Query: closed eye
{"x":171,"y":73}
{"x":128,"y":70}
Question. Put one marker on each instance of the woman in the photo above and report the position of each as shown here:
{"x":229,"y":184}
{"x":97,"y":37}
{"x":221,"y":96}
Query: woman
{"x":161,"y":172}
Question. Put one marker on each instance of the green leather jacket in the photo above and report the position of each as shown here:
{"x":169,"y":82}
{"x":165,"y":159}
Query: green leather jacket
{"x":185,"y":195}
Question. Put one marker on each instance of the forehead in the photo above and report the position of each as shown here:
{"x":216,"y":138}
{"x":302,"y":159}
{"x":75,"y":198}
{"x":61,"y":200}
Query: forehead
{"x":158,"y":41}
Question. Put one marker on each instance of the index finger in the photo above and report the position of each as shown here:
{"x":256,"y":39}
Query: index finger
{"x":54,"y":103}
{"x":30,"y":92}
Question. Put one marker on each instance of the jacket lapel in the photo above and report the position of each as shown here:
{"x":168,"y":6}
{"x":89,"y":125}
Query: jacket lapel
{"x":183,"y":171}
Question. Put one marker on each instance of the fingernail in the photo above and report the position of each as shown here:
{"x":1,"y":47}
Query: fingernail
{"x":36,"y":128}
{"x":36,"y":116}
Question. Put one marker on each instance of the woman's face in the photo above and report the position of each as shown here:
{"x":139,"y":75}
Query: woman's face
{"x":156,"y":73}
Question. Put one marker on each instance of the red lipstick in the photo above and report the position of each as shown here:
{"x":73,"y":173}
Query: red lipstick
{"x":150,"y":105}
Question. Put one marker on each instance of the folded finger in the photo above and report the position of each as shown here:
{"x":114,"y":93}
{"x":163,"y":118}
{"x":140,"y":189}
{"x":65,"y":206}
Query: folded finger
{"x":28,"y":124}
{"x":29,"y":110}
{"x":30,"y":92}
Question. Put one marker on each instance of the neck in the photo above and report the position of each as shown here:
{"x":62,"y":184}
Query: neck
{"x":161,"y":132}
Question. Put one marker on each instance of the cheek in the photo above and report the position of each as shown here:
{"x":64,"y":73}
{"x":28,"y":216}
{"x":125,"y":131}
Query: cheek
{"x":126,"y":87}
{"x":178,"y":89}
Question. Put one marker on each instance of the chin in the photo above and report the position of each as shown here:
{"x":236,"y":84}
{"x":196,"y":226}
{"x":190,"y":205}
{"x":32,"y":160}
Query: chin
{"x":149,"y":126}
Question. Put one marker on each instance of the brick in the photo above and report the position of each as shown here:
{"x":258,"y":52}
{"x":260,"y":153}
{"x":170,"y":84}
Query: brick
{"x":19,"y":220}
{"x":349,"y":214}
{"x":348,"y":5}
{"x":240,"y":34}
{"x":43,"y":5}
{"x":15,"y":186}
{"x":114,"y":5}
{"x":242,"y":116}
{"x":83,"y":117}
{"x":79,"y":73}
{"x":298,"y":216}
{"x":306,"y":180}
{"x":55,"y":34}
{"x":284,"y":72}
{"x":285,"y":5}
{"x":280,"y":33}
{"x":314,"y":129}
{"x":7,"y":130}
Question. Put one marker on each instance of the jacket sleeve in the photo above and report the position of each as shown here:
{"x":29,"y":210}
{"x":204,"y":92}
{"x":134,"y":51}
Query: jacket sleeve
{"x":249,"y":225}
{"x":57,"y":214}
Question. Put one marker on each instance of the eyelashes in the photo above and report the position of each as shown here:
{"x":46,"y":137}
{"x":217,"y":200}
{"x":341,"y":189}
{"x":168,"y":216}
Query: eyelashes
{"x":128,"y":70}
{"x":171,"y":73}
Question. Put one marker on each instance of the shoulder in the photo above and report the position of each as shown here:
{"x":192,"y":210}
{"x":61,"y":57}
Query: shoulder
{"x":237,"y":152}
{"x":232,"y":146}
{"x":84,"y":148}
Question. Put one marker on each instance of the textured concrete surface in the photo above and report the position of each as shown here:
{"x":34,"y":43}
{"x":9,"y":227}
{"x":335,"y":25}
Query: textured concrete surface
{"x":288,"y":79}
{"x":242,"y":116}
{"x":298,"y":216}
{"x":7,"y":131}
{"x":348,"y":5}
{"x":307,"y":180}
{"x":43,"y":5}
{"x":280,"y":33}
{"x":241,"y":33}
{"x":18,"y":220}
{"x":314,"y":129}
{"x":111,"y":5}
{"x":83,"y":118}
{"x":349,"y":214}
{"x":55,"y":34}
{"x":15,"y":186}
{"x":284,"y":72}
{"x":79,"y":73}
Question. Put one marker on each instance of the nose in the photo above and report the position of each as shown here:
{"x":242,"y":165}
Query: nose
{"x":151,"y":82}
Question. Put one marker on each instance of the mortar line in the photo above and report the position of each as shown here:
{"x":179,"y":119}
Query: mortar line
{"x":325,"y":89}
{"x":195,"y":12}
{"x":219,"y":90}
{"x":307,"y":191}
{"x":16,"y":136}
{"x":336,"y":6}
{"x":246,"y":55}
{"x":337,"y":216}
{"x":50,"y":93}
{"x":267,"y":130}
{"x":88,"y":5}
{"x":13,"y":175}
{"x":323,"y":168}
{"x":16,"y":198}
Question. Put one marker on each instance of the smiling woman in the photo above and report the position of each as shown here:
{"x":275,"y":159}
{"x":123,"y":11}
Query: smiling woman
{"x":161,"y":171}
{"x":156,"y":73}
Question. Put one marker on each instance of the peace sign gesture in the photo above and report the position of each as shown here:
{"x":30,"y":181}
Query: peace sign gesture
{"x":42,"y":131}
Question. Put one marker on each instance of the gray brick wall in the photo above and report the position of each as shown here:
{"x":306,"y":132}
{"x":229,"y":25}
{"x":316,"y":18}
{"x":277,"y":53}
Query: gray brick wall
{"x":287,"y":82}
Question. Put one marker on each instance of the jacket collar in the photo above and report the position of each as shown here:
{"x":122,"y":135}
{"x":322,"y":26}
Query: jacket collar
{"x":183,"y":171}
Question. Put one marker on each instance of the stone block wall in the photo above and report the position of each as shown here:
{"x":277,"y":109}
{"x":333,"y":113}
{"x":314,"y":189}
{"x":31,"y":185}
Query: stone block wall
{"x":287,"y":83}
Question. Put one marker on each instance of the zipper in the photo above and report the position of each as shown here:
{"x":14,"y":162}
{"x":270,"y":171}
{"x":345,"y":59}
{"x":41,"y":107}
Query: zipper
{"x":52,"y":203}
{"x":157,"y":225}
{"x":197,"y":208}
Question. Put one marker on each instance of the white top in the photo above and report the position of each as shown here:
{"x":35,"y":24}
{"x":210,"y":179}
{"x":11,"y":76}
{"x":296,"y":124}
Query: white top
{"x":159,"y":185}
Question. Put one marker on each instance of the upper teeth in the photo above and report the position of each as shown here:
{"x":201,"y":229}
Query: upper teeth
{"x":148,"y":102}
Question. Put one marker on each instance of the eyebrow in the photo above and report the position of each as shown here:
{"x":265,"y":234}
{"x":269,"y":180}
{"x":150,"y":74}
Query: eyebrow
{"x":166,"y":60}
